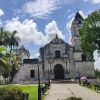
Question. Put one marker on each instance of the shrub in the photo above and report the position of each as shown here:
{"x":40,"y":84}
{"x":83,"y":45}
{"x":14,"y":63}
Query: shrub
{"x":10,"y":93}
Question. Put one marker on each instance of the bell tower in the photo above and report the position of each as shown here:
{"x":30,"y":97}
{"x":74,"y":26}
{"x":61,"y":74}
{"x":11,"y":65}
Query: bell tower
{"x":75,"y":38}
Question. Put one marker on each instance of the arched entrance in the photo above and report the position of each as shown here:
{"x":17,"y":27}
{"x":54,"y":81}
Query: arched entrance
{"x":58,"y":72}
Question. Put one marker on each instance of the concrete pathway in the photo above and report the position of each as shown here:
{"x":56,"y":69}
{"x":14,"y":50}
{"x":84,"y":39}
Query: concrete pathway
{"x":63,"y":91}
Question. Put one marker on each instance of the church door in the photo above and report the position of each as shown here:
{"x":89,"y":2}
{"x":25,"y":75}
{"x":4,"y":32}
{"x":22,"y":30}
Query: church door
{"x":59,"y":72}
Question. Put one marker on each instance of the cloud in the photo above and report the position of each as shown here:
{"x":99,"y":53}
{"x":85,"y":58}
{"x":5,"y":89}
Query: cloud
{"x":83,"y":14}
{"x":36,"y":55}
{"x":93,"y":1}
{"x":29,"y":33}
{"x":51,"y":29}
{"x":42,"y":8}
{"x":1,"y":12}
{"x":27,"y":30}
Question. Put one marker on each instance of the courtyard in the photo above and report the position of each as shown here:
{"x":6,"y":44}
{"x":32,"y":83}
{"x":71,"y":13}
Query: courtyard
{"x":64,"y":91}
{"x":60,"y":91}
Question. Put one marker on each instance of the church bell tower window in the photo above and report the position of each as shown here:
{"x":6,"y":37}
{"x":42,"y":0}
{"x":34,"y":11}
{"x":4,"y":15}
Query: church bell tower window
{"x":57,"y":53}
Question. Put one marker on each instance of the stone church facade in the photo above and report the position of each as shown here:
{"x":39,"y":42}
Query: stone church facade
{"x":58,"y":59}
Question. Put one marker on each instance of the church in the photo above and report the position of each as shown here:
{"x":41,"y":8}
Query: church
{"x":58,"y":60}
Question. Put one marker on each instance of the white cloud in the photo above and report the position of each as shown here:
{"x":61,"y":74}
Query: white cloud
{"x":41,"y":8}
{"x":28,"y":31}
{"x":1,"y":12}
{"x":36,"y":55}
{"x":69,"y":23}
{"x":93,"y":1}
{"x":83,"y":14}
{"x":51,"y":29}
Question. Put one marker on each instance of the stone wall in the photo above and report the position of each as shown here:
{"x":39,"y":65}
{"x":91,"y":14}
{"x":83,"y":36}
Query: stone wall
{"x":85,"y":69}
{"x":23,"y":75}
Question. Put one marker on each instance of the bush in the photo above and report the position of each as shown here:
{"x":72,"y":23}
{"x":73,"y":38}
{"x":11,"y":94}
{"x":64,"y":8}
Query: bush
{"x":10,"y":93}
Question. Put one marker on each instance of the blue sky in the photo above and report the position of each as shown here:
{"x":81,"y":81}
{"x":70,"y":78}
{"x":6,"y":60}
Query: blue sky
{"x":37,"y":21}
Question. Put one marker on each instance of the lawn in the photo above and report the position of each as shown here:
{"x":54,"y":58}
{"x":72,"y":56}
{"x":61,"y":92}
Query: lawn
{"x":31,"y":89}
{"x":92,"y":87}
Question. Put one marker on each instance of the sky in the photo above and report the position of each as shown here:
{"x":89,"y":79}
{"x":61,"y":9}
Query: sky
{"x":37,"y":21}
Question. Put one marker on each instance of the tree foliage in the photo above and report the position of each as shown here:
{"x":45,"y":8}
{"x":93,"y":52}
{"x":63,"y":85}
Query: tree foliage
{"x":10,"y":54}
{"x":90,"y":34}
{"x":97,"y":73}
{"x":8,"y":60}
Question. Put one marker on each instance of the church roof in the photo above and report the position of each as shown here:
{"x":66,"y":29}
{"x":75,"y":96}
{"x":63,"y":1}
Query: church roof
{"x":57,"y":40}
{"x":78,"y":16}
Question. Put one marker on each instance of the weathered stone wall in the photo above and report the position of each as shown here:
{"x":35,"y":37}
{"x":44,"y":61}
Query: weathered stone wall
{"x":23,"y":75}
{"x":77,"y":56}
{"x":85,"y":69}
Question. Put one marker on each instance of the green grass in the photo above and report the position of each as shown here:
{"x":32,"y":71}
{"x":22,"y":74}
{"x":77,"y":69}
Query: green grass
{"x":93,"y":88}
{"x":31,"y":89}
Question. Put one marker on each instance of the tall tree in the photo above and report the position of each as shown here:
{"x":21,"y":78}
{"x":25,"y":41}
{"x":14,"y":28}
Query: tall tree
{"x":13,"y":40}
{"x":3,"y":36}
{"x":90,"y":34}
{"x":4,"y":63}
{"x":9,"y":63}
{"x":14,"y":66}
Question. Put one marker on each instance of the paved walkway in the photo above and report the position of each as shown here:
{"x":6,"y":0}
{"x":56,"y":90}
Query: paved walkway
{"x":63,"y":91}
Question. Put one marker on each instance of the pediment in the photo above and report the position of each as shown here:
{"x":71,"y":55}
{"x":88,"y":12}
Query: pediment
{"x":57,"y":40}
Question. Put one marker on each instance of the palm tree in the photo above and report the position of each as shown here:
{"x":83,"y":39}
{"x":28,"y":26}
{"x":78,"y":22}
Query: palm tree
{"x":3,"y":36}
{"x":12,"y":41}
{"x":14,"y":66}
{"x":8,"y":39}
{"x":2,"y":61}
{"x":4,"y":64}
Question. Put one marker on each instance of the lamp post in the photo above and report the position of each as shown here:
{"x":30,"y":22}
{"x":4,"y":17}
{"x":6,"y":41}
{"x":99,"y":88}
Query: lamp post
{"x":49,"y":77}
{"x":79,"y":77}
{"x":49,"y":71}
{"x":39,"y":83}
